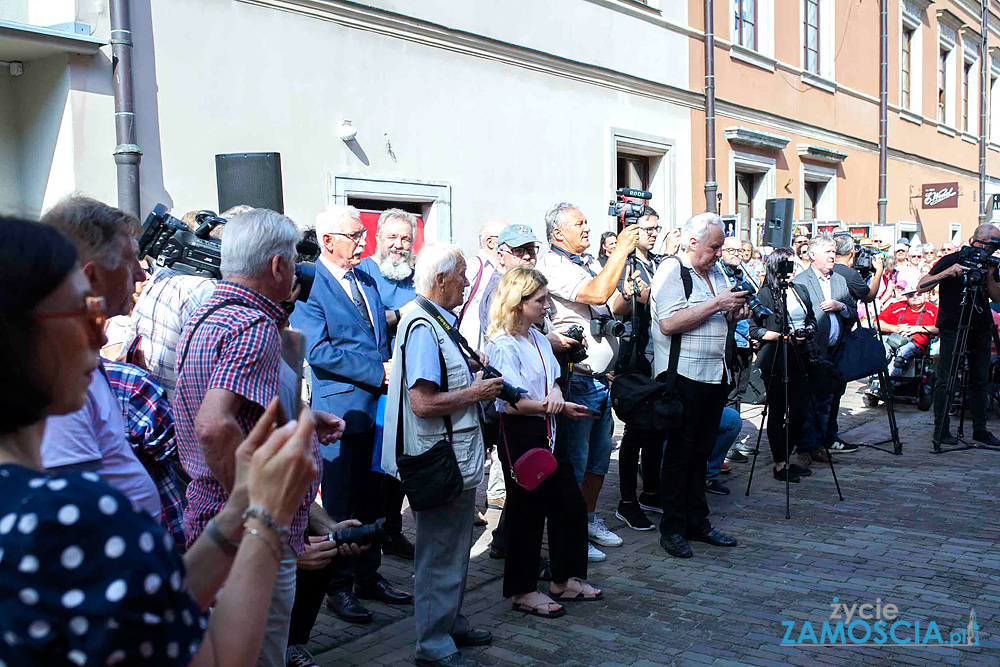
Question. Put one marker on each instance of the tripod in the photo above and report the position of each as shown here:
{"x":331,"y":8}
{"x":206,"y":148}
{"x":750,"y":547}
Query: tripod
{"x":885,"y":383}
{"x":782,"y":350}
{"x":971,"y":289}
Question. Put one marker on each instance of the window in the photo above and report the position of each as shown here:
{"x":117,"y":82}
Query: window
{"x":955,"y":233}
{"x":811,"y":42}
{"x":942,"y":92}
{"x":746,"y":184}
{"x":904,"y":64}
{"x":965,"y":96}
{"x":992,"y":107}
{"x":633,"y":171}
{"x":813,"y":190}
{"x":745,"y":23}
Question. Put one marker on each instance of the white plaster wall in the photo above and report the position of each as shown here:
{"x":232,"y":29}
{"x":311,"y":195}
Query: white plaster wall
{"x":14,"y":10}
{"x":10,"y":151}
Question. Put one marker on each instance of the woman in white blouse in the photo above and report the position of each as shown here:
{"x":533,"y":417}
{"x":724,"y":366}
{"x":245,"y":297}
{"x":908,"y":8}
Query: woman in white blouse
{"x":523,"y":355}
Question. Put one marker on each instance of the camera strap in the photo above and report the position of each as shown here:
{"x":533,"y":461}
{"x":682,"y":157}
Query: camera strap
{"x":463,"y":345}
{"x":443,"y":386}
{"x":204,"y":316}
{"x":670,"y":375}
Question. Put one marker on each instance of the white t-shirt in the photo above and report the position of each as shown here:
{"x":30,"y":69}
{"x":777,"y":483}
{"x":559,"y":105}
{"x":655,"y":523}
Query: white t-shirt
{"x":565,"y":281}
{"x":526,"y":363}
{"x":96,"y":433}
{"x":478,"y":271}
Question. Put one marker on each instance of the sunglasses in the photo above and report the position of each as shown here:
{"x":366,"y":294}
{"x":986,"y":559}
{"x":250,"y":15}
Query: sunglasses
{"x":95,"y":311}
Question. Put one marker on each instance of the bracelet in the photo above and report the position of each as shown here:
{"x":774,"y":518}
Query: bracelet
{"x":228,"y":546}
{"x":267,"y":519}
{"x":256,"y":533}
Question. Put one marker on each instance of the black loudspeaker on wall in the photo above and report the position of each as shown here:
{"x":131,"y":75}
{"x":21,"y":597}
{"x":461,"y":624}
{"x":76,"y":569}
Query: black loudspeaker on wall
{"x":778,"y":222}
{"x":253,"y":179}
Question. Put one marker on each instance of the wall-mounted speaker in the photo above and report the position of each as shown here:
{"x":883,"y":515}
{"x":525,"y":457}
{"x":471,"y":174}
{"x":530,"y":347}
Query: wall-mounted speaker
{"x":253,"y":179}
{"x":778,"y":217}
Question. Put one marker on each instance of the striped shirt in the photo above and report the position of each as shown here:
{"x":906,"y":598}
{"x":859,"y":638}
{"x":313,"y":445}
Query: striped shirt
{"x":703,"y":349}
{"x":237,"y":348}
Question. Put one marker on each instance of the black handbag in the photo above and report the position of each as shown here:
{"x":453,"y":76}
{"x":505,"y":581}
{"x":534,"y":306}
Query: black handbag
{"x":860,"y":354}
{"x":430,"y":479}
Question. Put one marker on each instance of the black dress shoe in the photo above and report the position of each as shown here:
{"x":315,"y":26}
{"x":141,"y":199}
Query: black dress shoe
{"x":947,"y":438}
{"x":675,"y":546}
{"x":786,"y":474}
{"x":456,"y":659}
{"x":473,"y":638}
{"x":346,"y":606}
{"x":801,"y":471}
{"x":713,"y":536}
{"x":383,"y":591}
{"x":398,"y":545}
{"x":986,"y":438}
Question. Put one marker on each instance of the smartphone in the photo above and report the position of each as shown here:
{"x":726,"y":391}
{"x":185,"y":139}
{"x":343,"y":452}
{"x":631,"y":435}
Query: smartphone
{"x":594,"y":414}
{"x":293,"y":355}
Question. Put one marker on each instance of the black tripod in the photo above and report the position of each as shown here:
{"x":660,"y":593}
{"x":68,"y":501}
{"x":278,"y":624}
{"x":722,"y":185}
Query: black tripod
{"x":782,"y":351}
{"x":888,"y":395}
{"x":971,"y":289}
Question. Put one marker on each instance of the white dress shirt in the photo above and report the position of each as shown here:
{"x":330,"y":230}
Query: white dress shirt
{"x":824,"y":284}
{"x":341,"y":275}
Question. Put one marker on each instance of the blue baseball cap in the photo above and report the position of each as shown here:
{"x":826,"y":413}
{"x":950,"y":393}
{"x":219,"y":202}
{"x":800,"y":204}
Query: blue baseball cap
{"x":515,"y":236}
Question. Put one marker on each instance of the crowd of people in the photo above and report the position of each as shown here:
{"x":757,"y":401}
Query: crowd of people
{"x":151,"y":507}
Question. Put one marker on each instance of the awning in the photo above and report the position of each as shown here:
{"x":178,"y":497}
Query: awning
{"x":22,"y":42}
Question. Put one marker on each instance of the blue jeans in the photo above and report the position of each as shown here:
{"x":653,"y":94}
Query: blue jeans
{"x":587,"y":442}
{"x":729,"y":430}
{"x":817,"y":421}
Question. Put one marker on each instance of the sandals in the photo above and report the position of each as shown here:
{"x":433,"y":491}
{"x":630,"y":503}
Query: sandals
{"x":529,"y":610}
{"x":577,"y":596}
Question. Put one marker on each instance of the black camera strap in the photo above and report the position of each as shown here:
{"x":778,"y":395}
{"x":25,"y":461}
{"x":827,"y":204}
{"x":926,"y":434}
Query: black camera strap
{"x":670,"y":375}
{"x":204,"y":316}
{"x":402,"y":388}
{"x":468,"y":354}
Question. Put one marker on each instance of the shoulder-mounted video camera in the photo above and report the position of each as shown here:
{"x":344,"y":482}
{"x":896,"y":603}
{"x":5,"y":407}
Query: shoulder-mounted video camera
{"x":626,"y":210}
{"x":979,"y":260}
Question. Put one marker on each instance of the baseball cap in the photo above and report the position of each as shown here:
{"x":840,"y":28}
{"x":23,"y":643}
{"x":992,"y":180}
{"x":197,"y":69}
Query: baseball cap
{"x":901,"y":246}
{"x":902,"y":240}
{"x":516,"y":235}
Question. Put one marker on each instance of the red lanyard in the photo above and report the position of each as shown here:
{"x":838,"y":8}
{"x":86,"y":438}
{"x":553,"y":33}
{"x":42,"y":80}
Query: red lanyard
{"x":545,"y":375}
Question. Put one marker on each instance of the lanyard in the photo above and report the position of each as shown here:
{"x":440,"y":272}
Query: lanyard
{"x":545,"y":375}
{"x":576,"y":259}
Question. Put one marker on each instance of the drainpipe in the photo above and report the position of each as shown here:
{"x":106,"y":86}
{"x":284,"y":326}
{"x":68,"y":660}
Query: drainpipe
{"x":711,"y":187}
{"x":127,"y":153}
{"x":883,"y":108}
{"x":984,"y":80}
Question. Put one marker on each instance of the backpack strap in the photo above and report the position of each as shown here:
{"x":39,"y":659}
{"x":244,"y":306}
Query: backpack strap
{"x":204,"y":316}
{"x":402,"y":387}
{"x":675,"y":340}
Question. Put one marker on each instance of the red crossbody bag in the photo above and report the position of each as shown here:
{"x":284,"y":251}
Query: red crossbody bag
{"x":536,"y":464}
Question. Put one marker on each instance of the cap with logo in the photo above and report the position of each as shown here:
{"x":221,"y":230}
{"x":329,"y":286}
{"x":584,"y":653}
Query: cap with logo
{"x":516,"y":235}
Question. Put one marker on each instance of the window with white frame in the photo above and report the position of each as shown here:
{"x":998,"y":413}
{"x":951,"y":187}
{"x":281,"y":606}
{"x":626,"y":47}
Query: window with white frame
{"x":819,"y":192}
{"x":948,"y":70}
{"x":751,"y":184}
{"x":955,"y":233}
{"x":810,"y":52}
{"x":911,"y":22}
{"x":905,"y":63}
{"x":817,"y":38}
{"x":994,"y":101}
{"x":645,"y":162}
{"x":966,"y":76}
{"x":745,"y":23}
{"x":942,"y":85}
{"x":970,"y":82}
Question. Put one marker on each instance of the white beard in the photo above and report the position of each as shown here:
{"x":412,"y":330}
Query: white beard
{"x":393,"y":269}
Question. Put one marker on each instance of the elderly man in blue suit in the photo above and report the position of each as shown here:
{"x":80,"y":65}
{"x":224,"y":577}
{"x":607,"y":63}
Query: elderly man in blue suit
{"x":344,"y":325}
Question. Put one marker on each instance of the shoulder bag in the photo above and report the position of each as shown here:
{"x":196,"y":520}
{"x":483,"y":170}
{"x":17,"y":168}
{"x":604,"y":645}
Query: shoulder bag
{"x":536,"y":464}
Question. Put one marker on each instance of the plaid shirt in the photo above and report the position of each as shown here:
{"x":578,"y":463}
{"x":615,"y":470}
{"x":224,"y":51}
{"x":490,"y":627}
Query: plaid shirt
{"x":165,"y":305}
{"x":237,"y":348}
{"x":149,"y":426}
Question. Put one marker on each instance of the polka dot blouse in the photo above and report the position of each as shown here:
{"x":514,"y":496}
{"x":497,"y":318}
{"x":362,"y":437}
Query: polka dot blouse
{"x":87,"y":578}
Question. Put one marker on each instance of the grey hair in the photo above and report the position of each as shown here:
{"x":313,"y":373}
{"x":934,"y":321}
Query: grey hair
{"x":396,"y":214}
{"x":96,"y":229}
{"x":844,"y":243}
{"x":555,"y":218}
{"x":333,"y":219}
{"x":433,"y":260}
{"x":234,"y":211}
{"x":491,"y":228}
{"x":250,"y":240}
{"x":697,"y":227}
{"x":821,"y":240}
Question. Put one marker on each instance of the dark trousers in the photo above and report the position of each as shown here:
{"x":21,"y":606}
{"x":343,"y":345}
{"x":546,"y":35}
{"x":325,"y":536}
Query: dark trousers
{"x":650,"y":445}
{"x":352,"y":491}
{"x":392,"y":508}
{"x":979,"y":370}
{"x":741,"y":377}
{"x":310,"y":589}
{"x":682,"y":478}
{"x":557,"y":499}
{"x":798,"y":408}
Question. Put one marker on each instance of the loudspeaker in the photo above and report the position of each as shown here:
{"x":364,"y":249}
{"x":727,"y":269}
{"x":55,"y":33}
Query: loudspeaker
{"x":253,"y":179}
{"x":778,"y":222}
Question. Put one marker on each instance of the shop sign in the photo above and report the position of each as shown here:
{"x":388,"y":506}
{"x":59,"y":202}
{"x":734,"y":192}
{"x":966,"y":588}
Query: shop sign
{"x":940,"y":195}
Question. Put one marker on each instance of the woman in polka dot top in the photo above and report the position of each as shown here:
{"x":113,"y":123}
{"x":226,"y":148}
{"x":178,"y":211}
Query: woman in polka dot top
{"x":86,"y":577}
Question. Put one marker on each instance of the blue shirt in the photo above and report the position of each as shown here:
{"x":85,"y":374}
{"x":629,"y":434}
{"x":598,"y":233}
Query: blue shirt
{"x":422,"y":360}
{"x":394,"y":293}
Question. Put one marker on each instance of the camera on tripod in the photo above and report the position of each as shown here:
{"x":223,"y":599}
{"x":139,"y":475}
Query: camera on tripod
{"x":758,"y":311}
{"x":979,"y":260}
{"x":605,"y":325}
{"x":171,"y":243}
{"x":627,"y":211}
{"x":863,"y":256}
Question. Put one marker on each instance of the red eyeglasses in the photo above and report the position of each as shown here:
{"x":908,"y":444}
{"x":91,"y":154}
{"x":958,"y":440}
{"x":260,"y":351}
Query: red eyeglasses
{"x":95,"y":311}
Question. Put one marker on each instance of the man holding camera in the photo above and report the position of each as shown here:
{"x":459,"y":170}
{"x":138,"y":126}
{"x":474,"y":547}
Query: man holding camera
{"x":947,"y":274}
{"x":586,"y":294}
{"x":692,"y":306}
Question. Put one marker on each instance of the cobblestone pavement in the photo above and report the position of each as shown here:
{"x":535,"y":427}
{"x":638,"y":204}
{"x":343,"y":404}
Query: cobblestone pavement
{"x":918,"y":531}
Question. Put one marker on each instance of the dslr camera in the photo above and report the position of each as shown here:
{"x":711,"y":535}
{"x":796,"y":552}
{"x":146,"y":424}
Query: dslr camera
{"x":169,"y":242}
{"x":625,"y":210}
{"x":509,"y":393}
{"x":979,"y":260}
{"x":758,"y":311}
{"x":576,"y":353}
{"x":605,"y":325}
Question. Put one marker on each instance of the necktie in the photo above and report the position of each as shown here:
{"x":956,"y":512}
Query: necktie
{"x":359,"y":300}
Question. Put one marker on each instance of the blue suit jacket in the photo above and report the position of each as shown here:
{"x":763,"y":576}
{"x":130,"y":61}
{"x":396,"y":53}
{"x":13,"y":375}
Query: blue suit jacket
{"x":345,"y":358}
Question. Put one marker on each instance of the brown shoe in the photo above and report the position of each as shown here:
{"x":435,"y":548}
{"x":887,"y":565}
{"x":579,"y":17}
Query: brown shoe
{"x":803,"y":460}
{"x":823,"y":456}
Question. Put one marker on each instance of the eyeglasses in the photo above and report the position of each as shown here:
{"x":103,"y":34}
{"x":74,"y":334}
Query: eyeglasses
{"x":731,"y":250}
{"x":354,"y":236}
{"x":523,"y":250}
{"x":95,"y":311}
{"x":652,"y":230}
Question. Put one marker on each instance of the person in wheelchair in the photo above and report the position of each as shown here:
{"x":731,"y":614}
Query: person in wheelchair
{"x":907,"y":327}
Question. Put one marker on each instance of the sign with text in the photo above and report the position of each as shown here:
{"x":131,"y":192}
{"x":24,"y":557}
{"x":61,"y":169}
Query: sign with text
{"x":940,"y":195}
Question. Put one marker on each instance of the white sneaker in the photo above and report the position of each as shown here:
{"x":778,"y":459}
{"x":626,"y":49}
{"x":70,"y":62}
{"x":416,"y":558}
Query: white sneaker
{"x":594,"y":554}
{"x":599,"y":534}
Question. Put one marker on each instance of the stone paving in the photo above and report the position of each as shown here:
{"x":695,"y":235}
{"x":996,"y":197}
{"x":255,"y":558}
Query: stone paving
{"x":918,"y":531}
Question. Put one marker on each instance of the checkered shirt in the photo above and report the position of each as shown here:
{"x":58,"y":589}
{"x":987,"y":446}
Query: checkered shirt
{"x":237,"y":348}
{"x":149,"y":425}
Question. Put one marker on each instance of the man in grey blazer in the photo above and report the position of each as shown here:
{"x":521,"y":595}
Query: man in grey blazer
{"x":836,"y":312}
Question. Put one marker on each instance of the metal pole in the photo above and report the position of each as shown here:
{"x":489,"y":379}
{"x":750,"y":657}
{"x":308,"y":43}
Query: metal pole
{"x":127,"y":153}
{"x":883,"y":108}
{"x":711,"y":187}
{"x":983,"y":83}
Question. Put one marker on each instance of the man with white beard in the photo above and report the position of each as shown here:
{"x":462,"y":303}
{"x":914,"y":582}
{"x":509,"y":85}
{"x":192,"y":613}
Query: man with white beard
{"x":392,"y":269}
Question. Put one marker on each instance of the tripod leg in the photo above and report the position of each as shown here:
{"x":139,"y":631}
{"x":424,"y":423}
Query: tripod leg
{"x":756,"y":450}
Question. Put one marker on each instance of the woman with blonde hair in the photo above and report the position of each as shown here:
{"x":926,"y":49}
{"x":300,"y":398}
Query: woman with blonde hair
{"x":523,"y":355}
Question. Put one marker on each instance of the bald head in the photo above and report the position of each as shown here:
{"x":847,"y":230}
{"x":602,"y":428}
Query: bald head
{"x":986,"y":232}
{"x":488,"y":236}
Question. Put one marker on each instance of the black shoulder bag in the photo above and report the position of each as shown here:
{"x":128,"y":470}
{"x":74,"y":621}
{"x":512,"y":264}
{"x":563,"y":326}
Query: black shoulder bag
{"x":431,"y":479}
{"x":650,"y":404}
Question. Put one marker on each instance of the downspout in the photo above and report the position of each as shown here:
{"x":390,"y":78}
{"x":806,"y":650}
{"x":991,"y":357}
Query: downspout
{"x":711,"y":187}
{"x":983,"y":83}
{"x":127,"y":153}
{"x":883,"y":108}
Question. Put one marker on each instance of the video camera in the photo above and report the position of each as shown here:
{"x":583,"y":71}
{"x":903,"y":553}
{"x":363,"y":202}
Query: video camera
{"x":979,"y":260}
{"x":625,"y":210}
{"x":863,"y":256}
{"x":758,"y":311}
{"x":171,"y":243}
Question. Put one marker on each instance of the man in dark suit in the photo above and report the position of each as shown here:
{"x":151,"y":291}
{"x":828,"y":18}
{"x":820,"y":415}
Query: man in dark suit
{"x":345,"y":330}
{"x":836,"y":312}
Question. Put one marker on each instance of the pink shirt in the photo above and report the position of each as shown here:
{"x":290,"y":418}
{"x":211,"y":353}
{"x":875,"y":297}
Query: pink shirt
{"x":96,"y":433}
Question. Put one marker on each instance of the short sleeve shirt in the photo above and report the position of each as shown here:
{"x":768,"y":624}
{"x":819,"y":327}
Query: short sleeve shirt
{"x":901,"y":313}
{"x":566,"y":279}
{"x":527,"y":363}
{"x":88,"y":578}
{"x":950,"y":299}
{"x":422,"y":357}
